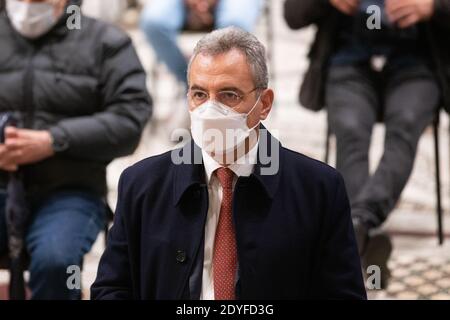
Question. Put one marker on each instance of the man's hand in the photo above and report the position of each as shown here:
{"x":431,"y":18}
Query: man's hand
{"x":405,"y":13}
{"x":349,"y":7}
{"x":8,"y":159}
{"x":23,"y":146}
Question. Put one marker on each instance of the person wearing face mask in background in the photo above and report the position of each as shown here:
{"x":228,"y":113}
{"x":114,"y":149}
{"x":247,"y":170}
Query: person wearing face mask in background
{"x":34,"y":19}
{"x":213,"y":227}
{"x":81,"y":99}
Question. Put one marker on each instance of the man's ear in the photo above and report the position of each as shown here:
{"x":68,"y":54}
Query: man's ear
{"x":267,"y":98}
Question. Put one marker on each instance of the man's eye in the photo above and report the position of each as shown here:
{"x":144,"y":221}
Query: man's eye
{"x":199,"y":95}
{"x":230,"y":96}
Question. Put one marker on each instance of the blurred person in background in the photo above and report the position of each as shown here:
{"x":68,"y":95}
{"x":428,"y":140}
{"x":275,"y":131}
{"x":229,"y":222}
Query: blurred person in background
{"x":108,"y":10}
{"x":81,"y":98}
{"x":398,"y":73}
{"x":163,"y":20}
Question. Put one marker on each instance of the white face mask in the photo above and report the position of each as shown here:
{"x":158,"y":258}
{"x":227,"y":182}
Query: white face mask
{"x":31,"y":20}
{"x":219,"y":130}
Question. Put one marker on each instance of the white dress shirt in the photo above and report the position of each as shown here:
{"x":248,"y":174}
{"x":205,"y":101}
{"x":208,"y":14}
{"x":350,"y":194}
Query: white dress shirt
{"x":242,"y":167}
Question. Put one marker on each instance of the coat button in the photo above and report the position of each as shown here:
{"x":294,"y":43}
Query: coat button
{"x":181,"y":256}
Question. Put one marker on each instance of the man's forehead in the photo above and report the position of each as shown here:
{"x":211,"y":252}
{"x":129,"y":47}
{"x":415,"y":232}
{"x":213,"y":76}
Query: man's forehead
{"x":229,"y":68}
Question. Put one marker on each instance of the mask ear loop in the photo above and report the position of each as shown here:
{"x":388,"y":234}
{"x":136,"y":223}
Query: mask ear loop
{"x":251,"y":110}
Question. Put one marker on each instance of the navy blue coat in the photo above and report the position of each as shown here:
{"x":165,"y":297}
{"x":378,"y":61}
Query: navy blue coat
{"x":294,"y":234}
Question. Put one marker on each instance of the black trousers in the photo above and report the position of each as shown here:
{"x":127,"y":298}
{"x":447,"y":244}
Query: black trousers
{"x":405,"y":100}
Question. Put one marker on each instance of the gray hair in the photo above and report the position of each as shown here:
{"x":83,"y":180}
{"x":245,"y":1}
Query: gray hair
{"x":226,"y":39}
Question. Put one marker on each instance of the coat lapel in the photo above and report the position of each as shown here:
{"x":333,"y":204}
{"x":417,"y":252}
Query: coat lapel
{"x":191,"y":206}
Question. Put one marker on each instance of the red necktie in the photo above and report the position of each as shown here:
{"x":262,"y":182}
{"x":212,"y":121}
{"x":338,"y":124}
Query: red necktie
{"x":225,"y":255}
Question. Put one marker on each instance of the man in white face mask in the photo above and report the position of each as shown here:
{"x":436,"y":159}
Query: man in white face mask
{"x":227,"y":102}
{"x":34,"y":18}
{"x":213,"y":227}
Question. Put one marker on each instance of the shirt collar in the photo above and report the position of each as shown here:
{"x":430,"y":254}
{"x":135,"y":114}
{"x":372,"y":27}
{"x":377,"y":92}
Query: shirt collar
{"x":242,"y":167}
{"x":190,"y":176}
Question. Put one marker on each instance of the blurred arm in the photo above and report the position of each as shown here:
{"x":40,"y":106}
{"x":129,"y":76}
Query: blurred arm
{"x":301,"y":13}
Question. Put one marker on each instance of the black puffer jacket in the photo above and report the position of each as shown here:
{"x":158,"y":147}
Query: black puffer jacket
{"x":87,"y":87}
{"x":302,"y":13}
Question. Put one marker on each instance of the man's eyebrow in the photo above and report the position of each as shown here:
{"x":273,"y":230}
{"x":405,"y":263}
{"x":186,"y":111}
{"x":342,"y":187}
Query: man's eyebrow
{"x":197,"y":87}
{"x":232,"y":89}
